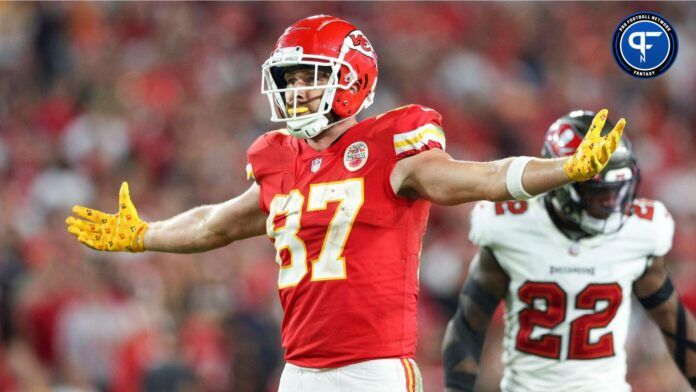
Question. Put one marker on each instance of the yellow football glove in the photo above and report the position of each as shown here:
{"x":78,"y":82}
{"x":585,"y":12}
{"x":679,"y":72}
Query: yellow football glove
{"x":123,"y":231}
{"x":595,"y":150}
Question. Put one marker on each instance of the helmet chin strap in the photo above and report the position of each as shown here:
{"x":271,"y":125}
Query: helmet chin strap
{"x":307,"y":125}
{"x":307,"y":128}
{"x":567,"y":226}
{"x":580,"y":224}
{"x":595,"y":226}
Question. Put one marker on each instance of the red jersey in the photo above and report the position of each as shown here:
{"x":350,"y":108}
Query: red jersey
{"x":348,"y":247}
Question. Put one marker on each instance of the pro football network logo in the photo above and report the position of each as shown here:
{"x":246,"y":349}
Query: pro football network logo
{"x":355,"y":156}
{"x":645,"y":44}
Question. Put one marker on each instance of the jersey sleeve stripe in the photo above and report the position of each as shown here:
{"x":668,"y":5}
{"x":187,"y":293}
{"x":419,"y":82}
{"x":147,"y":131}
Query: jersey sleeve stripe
{"x":419,"y":138}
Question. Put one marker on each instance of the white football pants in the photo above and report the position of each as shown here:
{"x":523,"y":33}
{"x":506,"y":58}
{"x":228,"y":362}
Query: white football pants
{"x":378,"y":375}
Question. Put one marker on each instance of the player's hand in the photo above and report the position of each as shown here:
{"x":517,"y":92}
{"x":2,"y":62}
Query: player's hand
{"x":595,"y":150}
{"x":122,"y":231}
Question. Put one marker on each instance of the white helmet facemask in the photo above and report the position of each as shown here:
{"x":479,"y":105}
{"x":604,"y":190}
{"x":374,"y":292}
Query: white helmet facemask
{"x":300,"y":122}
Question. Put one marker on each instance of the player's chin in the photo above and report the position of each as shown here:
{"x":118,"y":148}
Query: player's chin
{"x":599,"y":214}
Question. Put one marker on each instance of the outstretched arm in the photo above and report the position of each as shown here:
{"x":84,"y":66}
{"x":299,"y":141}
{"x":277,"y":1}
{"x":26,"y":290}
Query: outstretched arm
{"x":657,"y":295}
{"x":435,"y":176}
{"x":197,"y":230}
{"x":485,"y":286}
{"x":210,"y":226}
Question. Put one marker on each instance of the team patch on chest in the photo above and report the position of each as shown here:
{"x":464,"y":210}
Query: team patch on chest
{"x":355,"y":156}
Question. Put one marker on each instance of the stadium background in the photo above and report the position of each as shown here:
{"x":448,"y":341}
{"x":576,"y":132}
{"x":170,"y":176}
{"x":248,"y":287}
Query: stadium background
{"x":166,"y":96}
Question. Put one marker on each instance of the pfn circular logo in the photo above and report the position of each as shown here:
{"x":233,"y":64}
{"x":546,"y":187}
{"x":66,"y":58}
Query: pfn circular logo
{"x":645,"y":44}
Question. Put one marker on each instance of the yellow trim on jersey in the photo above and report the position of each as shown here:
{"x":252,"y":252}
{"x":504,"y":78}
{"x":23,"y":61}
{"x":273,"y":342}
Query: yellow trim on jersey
{"x":288,"y":210}
{"x":439,"y":135}
{"x":418,"y":138}
{"x":340,"y":198}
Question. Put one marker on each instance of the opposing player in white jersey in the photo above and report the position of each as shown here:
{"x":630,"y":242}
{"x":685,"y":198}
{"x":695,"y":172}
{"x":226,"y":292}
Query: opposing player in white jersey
{"x":566,"y":264}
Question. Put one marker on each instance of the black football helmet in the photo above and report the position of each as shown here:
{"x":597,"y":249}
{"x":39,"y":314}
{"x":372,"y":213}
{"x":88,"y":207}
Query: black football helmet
{"x":600,"y":205}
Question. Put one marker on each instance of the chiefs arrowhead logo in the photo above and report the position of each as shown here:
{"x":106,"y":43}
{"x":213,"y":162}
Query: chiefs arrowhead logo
{"x":355,"y":156}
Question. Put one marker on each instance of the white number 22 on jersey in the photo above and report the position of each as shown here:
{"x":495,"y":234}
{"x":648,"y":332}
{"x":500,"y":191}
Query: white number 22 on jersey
{"x":330,"y":264}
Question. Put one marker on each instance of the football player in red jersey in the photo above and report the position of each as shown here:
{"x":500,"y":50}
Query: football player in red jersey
{"x":345,"y":204}
{"x":566,"y":265}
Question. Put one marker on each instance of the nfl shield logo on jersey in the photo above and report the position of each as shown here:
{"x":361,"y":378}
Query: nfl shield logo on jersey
{"x":355,"y":156}
{"x":316,"y":164}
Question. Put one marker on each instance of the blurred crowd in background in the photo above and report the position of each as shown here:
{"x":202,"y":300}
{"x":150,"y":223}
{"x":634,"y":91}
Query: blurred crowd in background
{"x":166,"y":96}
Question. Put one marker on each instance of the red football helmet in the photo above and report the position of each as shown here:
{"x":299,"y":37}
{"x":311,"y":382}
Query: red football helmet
{"x":329,"y":43}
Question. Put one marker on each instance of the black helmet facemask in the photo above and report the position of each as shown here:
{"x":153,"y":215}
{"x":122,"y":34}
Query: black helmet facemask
{"x":600,"y":205}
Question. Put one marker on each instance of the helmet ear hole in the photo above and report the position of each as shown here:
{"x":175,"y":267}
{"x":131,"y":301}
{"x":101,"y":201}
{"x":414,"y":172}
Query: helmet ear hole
{"x":359,"y":85}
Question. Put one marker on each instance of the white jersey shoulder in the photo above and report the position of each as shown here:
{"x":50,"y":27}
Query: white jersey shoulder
{"x":568,"y":302}
{"x":651,"y":221}
{"x":649,"y":228}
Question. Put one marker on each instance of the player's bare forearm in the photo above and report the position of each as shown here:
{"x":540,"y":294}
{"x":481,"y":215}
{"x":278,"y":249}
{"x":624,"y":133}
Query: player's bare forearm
{"x":435,"y":176}
{"x":543,"y":175}
{"x":208,"y":227}
{"x":657,"y":295}
{"x":483,"y":290}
